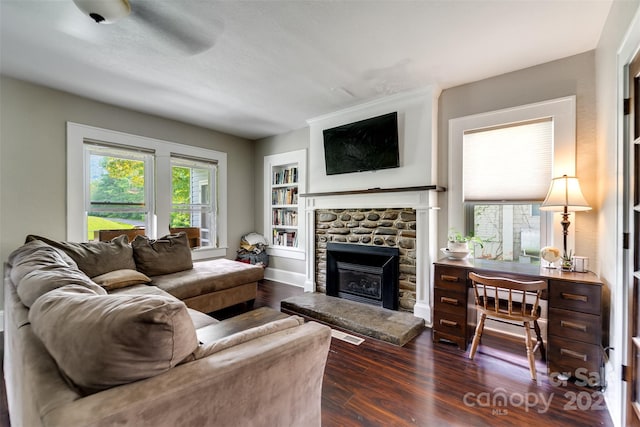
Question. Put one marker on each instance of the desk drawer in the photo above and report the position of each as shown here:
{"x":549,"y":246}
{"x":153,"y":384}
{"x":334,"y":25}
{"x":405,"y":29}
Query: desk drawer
{"x":575,"y":296}
{"x":450,"y":323}
{"x":566,"y":355}
{"x":575,"y":325}
{"x":450,"y":301}
{"x":450,"y":278}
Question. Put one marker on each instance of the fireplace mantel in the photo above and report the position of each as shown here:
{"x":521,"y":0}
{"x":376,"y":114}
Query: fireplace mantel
{"x":376,"y":190}
{"x":421,"y":199}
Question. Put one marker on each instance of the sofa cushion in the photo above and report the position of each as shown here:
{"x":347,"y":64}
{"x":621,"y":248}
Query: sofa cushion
{"x":168,"y":254}
{"x":96,"y":258}
{"x":39,"y":282}
{"x":209,"y":348}
{"x":37,"y":268}
{"x":208,"y":276}
{"x":36,"y":254}
{"x":101,"y":341}
{"x":121,"y":279}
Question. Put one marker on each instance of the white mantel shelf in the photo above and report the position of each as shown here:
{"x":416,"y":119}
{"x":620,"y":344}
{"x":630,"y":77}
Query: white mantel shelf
{"x":376,"y":190}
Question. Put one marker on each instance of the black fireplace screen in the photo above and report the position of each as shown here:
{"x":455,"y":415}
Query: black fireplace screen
{"x":363,"y":273}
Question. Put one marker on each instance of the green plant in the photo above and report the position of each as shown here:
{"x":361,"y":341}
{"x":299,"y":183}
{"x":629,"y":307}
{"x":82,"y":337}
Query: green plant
{"x":567,"y":260}
{"x":457,"y":237}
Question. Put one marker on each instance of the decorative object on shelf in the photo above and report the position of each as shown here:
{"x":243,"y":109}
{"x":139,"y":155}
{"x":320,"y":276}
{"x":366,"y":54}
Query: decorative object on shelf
{"x":551,"y":255}
{"x":580,"y":264}
{"x":565,"y":196}
{"x":451,"y":254}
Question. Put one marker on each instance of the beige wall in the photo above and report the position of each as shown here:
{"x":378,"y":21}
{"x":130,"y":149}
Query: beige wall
{"x":33,"y":163}
{"x":574,"y":75}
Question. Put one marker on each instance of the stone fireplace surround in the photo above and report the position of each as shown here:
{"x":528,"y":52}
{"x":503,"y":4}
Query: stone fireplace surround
{"x":420,"y":201}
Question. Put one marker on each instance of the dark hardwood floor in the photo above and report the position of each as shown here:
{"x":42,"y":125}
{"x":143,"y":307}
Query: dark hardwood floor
{"x":427,"y":384}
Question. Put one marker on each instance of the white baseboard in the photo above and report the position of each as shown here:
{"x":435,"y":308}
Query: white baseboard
{"x":1,"y":320}
{"x":284,"y":276}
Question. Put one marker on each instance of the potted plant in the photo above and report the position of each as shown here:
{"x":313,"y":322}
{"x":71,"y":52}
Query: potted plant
{"x":567,"y":261}
{"x":458,"y":242}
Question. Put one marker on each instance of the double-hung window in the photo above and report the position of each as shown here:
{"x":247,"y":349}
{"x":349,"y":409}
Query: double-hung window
{"x":193,"y":187}
{"x":500,"y":167}
{"x":121,"y":181}
{"x":119,"y":184}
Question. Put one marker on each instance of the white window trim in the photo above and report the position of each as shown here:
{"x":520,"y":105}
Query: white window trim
{"x":563,"y":112}
{"x":76,"y":191}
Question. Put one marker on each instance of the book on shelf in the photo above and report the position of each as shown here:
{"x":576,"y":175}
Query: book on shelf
{"x":286,"y":176}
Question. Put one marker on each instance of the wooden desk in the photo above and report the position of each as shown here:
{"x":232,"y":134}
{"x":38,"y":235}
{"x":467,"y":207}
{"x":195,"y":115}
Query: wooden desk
{"x":577,"y":314}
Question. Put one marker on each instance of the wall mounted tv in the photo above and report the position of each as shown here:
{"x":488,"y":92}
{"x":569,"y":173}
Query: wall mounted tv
{"x":366,"y":145}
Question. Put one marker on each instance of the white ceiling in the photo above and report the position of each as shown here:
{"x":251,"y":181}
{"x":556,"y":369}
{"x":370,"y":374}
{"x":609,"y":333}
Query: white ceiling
{"x":260,"y":68}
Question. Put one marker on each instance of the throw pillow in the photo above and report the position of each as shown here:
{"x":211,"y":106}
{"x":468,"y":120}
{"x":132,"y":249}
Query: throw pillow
{"x":120,"y":279}
{"x":102,"y":341}
{"x":34,"y":255}
{"x":96,"y":258}
{"x":166,"y":255}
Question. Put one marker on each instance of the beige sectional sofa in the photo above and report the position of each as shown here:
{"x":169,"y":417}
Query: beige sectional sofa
{"x":87,"y":349}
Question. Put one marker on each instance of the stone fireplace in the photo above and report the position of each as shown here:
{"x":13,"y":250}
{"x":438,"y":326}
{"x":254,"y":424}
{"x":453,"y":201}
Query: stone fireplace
{"x":363,"y":273}
{"x":401,"y":219}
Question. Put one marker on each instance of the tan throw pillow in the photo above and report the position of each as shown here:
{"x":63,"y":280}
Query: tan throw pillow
{"x":120,"y":279}
{"x":96,"y":258}
{"x":169,"y":254}
{"x":101,"y":341}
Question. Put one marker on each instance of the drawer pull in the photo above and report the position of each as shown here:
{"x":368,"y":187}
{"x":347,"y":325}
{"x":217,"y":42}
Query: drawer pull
{"x":573,"y":297}
{"x":445,"y":322}
{"x":451,"y":301}
{"x":447,"y":278}
{"x":574,"y":354}
{"x":572,"y":325}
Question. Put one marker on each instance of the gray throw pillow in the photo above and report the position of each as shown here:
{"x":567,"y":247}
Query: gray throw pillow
{"x":102,"y":341}
{"x":96,"y":258}
{"x":166,"y":255}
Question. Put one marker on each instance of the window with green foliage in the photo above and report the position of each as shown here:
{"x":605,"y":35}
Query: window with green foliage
{"x":119,"y":189}
{"x":192,"y":196}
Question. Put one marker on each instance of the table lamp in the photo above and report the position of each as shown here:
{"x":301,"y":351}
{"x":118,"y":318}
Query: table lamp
{"x":565,"y":196}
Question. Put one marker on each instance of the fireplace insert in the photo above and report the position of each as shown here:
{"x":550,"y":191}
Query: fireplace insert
{"x":363,"y":273}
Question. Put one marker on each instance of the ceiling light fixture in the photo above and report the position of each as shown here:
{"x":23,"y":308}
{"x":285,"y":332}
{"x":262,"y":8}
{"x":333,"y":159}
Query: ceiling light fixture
{"x":104,"y":11}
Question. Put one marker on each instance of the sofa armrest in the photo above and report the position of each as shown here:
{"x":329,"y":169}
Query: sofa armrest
{"x":272,"y":380}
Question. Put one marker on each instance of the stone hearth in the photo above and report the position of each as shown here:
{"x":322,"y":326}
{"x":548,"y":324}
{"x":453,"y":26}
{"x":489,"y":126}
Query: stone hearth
{"x":392,"y":326}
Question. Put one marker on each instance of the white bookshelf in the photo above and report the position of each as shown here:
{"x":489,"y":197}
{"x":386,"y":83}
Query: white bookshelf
{"x":284,"y":177}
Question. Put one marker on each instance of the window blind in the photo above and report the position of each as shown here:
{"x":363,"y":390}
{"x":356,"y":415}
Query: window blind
{"x":508,"y":163}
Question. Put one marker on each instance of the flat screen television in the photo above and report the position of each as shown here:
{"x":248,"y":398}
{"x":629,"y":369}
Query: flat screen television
{"x":366,"y":145}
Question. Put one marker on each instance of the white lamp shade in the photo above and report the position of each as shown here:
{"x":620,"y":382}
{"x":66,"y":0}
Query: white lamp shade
{"x":565,"y":192}
{"x":109,"y":10}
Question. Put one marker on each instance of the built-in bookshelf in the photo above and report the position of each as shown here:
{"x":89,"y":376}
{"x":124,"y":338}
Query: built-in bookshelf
{"x":284,"y":182}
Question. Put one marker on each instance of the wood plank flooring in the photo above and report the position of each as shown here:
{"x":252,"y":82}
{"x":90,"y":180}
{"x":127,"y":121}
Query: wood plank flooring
{"x":427,"y":384}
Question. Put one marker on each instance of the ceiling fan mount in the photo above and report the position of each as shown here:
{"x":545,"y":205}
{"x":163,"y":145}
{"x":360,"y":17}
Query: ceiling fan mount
{"x":104,"y":11}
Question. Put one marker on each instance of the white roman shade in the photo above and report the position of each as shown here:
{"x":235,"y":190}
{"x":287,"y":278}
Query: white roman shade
{"x":508,"y":163}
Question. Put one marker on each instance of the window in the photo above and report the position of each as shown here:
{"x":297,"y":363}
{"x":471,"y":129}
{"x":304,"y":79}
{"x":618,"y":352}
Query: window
{"x":193,"y":197}
{"x":119,"y":187}
{"x":503,"y":165}
{"x":117,"y":181}
{"x":500,"y":167}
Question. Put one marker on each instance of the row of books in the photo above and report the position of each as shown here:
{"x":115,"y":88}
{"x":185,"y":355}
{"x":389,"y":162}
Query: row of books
{"x":285,"y":217}
{"x":286,"y":176}
{"x":285,"y":238}
{"x":284,"y":196}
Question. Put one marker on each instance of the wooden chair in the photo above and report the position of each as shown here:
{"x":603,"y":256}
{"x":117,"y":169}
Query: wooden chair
{"x":511,"y":301}
{"x":107,"y":235}
{"x":193,"y":235}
